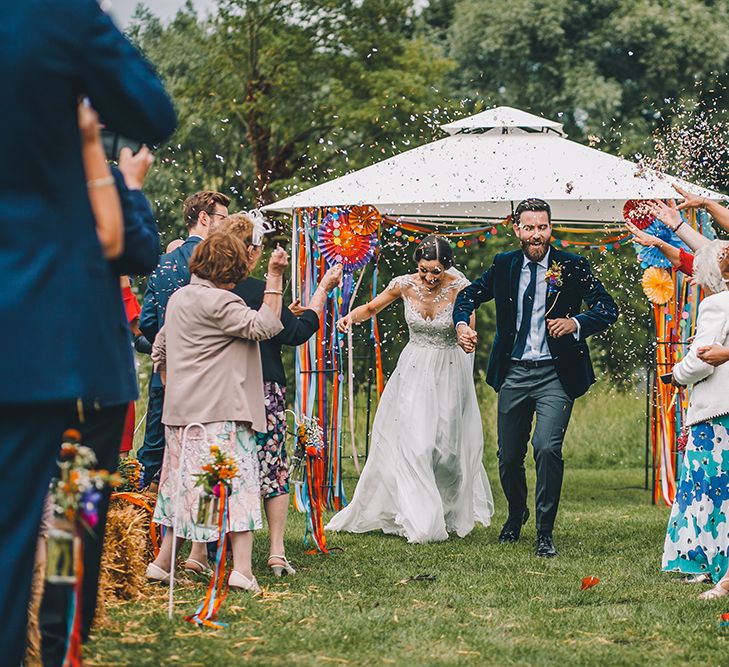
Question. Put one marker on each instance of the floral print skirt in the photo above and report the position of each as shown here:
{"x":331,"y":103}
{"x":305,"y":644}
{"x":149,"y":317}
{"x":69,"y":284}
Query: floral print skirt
{"x":235,"y":439}
{"x":272,"y":444}
{"x":697,"y":538}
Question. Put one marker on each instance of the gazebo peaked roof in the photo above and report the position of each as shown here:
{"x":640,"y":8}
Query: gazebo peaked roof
{"x":502,"y":118}
{"x":487,"y":164}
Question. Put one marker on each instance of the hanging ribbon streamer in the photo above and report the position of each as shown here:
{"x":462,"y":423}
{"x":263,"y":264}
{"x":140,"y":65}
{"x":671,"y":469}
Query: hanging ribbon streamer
{"x":72,"y":656}
{"x":207,"y":612}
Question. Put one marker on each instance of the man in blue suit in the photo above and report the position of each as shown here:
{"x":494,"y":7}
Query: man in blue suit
{"x":67,"y":334}
{"x":540,"y":362}
{"x":201,"y":211}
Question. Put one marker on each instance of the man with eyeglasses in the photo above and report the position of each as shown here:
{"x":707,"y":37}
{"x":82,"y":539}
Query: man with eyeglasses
{"x":202,"y":212}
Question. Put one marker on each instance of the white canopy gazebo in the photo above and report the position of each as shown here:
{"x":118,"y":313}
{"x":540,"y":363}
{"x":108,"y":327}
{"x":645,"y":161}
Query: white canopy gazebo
{"x":488,"y":163}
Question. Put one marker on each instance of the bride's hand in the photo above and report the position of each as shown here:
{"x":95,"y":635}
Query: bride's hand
{"x":467,"y":338}
{"x":344,"y":324}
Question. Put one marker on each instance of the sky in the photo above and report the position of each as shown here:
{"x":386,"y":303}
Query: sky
{"x":122,"y":10}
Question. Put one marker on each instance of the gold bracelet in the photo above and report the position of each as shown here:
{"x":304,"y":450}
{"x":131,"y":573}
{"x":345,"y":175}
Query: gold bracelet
{"x":100,"y":182}
{"x":273,"y":291}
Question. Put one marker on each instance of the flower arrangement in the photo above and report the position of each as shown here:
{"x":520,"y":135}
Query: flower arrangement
{"x":130,"y":472}
{"x":553,"y":278}
{"x":221,"y":470}
{"x":76,"y":493}
{"x":309,"y":438}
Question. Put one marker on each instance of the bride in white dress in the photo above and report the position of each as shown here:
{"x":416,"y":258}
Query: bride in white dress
{"x":424,"y":476}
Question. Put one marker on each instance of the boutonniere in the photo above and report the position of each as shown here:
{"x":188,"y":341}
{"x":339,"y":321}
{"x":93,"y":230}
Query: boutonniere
{"x":553,"y":278}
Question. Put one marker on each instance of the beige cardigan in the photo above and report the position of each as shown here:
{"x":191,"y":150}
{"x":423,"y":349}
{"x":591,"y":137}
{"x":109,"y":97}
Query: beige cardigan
{"x":208,"y":347}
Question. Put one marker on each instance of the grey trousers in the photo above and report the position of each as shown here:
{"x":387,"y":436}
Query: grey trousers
{"x":526,"y":392}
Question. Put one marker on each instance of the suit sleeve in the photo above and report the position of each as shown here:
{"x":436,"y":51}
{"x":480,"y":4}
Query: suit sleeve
{"x":122,"y":86}
{"x":711,"y":327}
{"x":148,"y":318}
{"x":469,"y":298}
{"x":602,"y":309}
{"x":297,"y":330}
{"x":141,"y":238}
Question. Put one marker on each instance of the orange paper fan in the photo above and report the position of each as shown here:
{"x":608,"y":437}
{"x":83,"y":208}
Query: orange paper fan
{"x":364,"y":219}
{"x":657,"y":285}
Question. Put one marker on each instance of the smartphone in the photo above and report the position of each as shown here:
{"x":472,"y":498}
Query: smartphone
{"x":114,"y":142}
{"x":666,"y":378}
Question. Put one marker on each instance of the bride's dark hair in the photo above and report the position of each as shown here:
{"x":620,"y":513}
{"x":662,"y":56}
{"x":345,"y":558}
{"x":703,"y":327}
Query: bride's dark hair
{"x":434,"y":247}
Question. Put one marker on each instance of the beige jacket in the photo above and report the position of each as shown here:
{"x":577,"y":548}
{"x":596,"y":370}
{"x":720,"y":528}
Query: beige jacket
{"x":208,"y":347}
{"x":709,"y":395}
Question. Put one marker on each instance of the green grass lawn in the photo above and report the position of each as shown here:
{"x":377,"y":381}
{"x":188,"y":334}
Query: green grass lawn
{"x":489,"y":604}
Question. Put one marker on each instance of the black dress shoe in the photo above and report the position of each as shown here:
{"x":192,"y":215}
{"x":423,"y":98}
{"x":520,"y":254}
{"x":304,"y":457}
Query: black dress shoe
{"x":545,"y":546}
{"x":511,"y":531}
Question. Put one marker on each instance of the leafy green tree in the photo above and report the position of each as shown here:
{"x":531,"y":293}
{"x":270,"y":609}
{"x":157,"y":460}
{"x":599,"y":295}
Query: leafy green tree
{"x":275,"y":94}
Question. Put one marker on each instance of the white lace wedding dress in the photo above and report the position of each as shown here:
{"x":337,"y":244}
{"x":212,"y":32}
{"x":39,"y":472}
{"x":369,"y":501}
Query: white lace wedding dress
{"x":424,"y":476}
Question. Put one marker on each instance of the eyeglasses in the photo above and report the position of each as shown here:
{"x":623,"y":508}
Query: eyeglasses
{"x":216,"y":214}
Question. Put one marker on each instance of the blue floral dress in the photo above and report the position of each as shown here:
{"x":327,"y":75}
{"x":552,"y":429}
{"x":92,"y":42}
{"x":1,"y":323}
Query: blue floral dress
{"x":697,"y":538}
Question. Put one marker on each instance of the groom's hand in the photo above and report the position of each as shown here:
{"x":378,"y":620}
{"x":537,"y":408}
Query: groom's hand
{"x":467,"y":338}
{"x":561,"y":326}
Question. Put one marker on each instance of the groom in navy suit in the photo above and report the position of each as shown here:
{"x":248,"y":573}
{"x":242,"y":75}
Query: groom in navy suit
{"x":64,"y":335}
{"x":540,"y":362}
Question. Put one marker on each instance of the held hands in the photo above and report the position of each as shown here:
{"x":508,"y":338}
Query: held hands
{"x":278,"y":262}
{"x":134,"y":166}
{"x":561,"y":326}
{"x":467,"y":338}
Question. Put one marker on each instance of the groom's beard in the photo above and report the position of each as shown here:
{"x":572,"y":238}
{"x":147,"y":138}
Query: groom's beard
{"x":535,"y":253}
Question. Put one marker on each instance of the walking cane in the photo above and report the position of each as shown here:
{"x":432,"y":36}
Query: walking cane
{"x":176,"y":508}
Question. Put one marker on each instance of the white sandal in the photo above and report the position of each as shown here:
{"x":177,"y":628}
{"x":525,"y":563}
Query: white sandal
{"x":280,"y":568}
{"x":197,"y":569}
{"x":156,"y":575}
{"x":238,"y":581}
{"x":715,"y":593}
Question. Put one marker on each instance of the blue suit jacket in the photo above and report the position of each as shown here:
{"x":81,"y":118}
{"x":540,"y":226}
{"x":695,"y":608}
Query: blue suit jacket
{"x":60,"y":305}
{"x":571,"y":356}
{"x":172,"y":272}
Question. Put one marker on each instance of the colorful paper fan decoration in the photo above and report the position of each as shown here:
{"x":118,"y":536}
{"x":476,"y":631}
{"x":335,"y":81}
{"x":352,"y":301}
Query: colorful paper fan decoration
{"x":339,"y":243}
{"x":651,"y":256}
{"x":364,"y":220}
{"x":636,"y":211}
{"x":657,"y":285}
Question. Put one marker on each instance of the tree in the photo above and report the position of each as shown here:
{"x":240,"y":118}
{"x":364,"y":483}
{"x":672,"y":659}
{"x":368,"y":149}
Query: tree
{"x":274,"y":94}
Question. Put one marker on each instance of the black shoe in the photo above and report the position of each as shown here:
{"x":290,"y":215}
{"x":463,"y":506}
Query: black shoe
{"x":545,"y":546}
{"x":511,"y":531}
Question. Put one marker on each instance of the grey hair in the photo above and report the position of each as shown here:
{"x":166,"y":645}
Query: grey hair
{"x":707,"y":269}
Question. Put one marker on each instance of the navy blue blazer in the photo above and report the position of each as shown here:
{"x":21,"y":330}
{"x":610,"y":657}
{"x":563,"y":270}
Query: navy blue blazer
{"x":571,"y":356}
{"x":172,"y":272}
{"x":60,"y":304}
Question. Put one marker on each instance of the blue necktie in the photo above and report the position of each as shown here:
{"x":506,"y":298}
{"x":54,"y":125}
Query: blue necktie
{"x":527,"y":305}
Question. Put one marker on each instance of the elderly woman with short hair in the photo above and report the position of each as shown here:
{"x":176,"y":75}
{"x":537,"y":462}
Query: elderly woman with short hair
{"x":208,"y":349}
{"x":697,"y":537}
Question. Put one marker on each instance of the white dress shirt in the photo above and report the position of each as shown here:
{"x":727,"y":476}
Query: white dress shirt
{"x":536,"y":348}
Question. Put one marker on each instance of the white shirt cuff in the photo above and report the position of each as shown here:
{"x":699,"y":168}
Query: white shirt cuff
{"x":465,"y":324}
{"x":576,"y":334}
